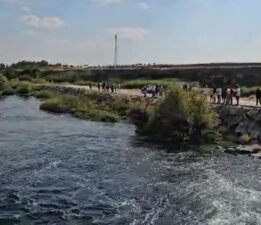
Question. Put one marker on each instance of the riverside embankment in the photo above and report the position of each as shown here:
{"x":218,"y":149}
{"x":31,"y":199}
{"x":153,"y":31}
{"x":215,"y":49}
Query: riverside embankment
{"x":238,"y":124}
{"x":241,"y":124}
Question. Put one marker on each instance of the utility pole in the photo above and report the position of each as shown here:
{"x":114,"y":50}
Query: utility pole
{"x":116,"y":51}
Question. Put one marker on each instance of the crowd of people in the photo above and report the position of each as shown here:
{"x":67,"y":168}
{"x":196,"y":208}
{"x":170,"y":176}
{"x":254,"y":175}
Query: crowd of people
{"x":154,"y":90}
{"x":225,"y":95}
{"x":107,"y":86}
{"x":228,"y":94}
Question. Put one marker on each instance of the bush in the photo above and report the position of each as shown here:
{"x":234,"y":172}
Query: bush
{"x":14,"y":83}
{"x":23,"y":88}
{"x":3,"y":79}
{"x":60,"y":104}
{"x":5,"y":86}
{"x":180,"y":116}
{"x":55,"y":105}
{"x":44,"y":94}
{"x":38,"y":80}
{"x":7,"y":90}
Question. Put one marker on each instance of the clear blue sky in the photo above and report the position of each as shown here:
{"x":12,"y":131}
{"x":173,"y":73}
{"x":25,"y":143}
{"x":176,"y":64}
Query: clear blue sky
{"x":160,"y":31}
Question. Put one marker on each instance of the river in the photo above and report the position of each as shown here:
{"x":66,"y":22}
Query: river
{"x":55,"y":169}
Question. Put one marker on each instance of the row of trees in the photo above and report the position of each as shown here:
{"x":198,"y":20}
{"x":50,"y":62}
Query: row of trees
{"x":34,"y":64}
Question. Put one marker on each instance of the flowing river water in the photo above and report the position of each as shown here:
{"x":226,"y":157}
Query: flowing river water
{"x":61,"y":170}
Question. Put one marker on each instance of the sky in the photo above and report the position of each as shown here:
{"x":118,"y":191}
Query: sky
{"x":150,"y":31}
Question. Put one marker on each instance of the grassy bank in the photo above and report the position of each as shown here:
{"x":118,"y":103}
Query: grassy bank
{"x":89,"y":105}
{"x":181,"y":116}
{"x":11,"y":87}
{"x":81,"y":107}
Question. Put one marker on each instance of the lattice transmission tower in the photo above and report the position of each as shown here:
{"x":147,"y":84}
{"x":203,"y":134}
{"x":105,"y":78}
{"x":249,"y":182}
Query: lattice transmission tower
{"x":116,"y":51}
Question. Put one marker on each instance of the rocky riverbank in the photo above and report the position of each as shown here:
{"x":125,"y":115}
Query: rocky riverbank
{"x":240,"y":124}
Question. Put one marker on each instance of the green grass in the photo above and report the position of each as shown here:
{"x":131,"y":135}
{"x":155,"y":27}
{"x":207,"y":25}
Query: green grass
{"x":58,"y":105}
{"x":7,"y":90}
{"x":44,"y":94}
{"x":23,"y":88}
{"x":90,"y":107}
{"x":38,"y":80}
{"x":248,"y":91}
{"x":6,"y":87}
{"x":3,"y":79}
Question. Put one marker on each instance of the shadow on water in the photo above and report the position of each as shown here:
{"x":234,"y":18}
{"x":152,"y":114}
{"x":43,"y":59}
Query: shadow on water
{"x":206,"y":149}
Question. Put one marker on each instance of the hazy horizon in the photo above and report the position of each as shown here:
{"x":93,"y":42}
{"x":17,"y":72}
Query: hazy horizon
{"x":162,"y":32}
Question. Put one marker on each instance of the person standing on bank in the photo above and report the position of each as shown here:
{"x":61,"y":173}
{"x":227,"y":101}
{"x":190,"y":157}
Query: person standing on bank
{"x":99,"y":86}
{"x":258,"y":96}
{"x":238,"y":94}
{"x":228,"y":96}
{"x":219,"y":95}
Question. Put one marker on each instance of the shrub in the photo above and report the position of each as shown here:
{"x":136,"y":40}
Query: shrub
{"x":3,"y":79}
{"x":14,"y":83}
{"x":38,"y":80}
{"x":180,"y":116}
{"x":44,"y":94}
{"x":55,"y":105}
{"x":7,"y":90}
{"x":23,"y":88}
{"x":5,"y":86}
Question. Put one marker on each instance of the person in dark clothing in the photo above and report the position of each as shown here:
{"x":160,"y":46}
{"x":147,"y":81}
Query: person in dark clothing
{"x":232,"y":95}
{"x":224,"y":95}
{"x":99,"y":86}
{"x":107,"y":86}
{"x":103,"y":86}
{"x":112,"y":88}
{"x":157,"y":90}
{"x":90,"y":85}
{"x":258,"y":96}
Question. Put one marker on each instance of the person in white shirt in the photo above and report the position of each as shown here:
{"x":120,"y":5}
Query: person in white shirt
{"x":228,"y":96}
{"x":238,"y":94}
{"x":219,"y":95}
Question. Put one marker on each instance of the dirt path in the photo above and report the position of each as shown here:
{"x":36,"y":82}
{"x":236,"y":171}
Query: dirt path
{"x":134,"y":92}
